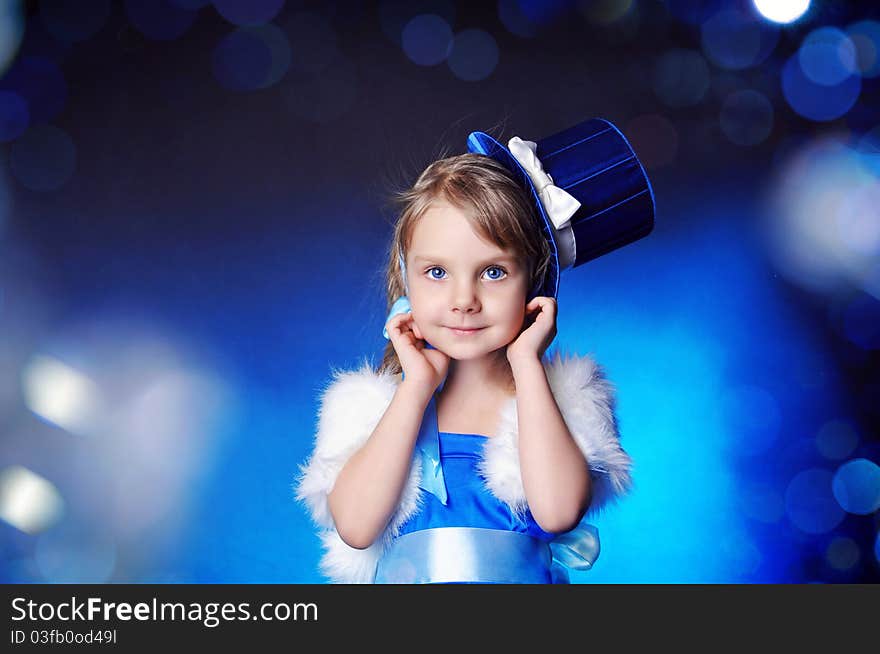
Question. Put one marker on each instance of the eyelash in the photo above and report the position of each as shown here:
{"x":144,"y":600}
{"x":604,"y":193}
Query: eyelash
{"x":502,"y":269}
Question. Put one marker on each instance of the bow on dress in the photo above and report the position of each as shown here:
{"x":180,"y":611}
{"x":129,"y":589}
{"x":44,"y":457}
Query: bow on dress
{"x":577,"y":549}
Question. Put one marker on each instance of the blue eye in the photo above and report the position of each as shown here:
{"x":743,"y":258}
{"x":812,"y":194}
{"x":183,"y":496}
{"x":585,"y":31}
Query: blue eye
{"x":500,"y":275}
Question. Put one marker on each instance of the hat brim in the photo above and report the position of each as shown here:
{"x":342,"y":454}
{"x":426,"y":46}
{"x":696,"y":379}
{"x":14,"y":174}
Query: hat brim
{"x":482,"y":143}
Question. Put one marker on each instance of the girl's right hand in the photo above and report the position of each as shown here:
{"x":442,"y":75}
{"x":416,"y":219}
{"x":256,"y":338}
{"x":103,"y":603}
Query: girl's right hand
{"x":422,"y":366}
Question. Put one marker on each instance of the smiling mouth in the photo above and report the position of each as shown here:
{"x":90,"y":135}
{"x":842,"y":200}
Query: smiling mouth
{"x":465,"y":332}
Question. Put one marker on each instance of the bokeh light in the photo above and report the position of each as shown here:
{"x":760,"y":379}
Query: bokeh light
{"x":605,"y":12}
{"x":836,"y":439}
{"x":474,"y":55}
{"x":241,"y":61}
{"x":168,"y":426}
{"x":809,"y":503}
{"x":858,"y":221}
{"x":856,"y":486}
{"x":734,"y":40}
{"x":827,"y":56}
{"x":395,"y":14}
{"x":619,"y":29}
{"x":543,"y":11}
{"x":74,"y":21}
{"x":819,"y":183}
{"x":276,"y":41}
{"x":782,"y":11}
{"x":40,"y":82}
{"x":681,"y":78}
{"x":427,"y":40}
{"x":28,"y":501}
{"x":151,"y":415}
{"x":62,"y":395}
{"x":11,"y":32}
{"x":865,"y":37}
{"x":842,"y":553}
{"x":248,"y":12}
{"x":43,"y":159}
{"x":514,"y":20}
{"x":747,"y":117}
{"x":743,"y":556}
{"x":252,"y":58}
{"x":820,"y":102}
{"x":159,"y":19}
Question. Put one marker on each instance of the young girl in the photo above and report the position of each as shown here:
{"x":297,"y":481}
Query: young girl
{"x":469,"y":456}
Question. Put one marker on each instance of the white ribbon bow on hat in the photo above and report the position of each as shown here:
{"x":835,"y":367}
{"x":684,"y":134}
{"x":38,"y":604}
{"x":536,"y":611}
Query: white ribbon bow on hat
{"x":559,"y":205}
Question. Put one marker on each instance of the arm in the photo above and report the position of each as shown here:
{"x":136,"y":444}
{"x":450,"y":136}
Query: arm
{"x":368,"y":488}
{"x":555,"y":473}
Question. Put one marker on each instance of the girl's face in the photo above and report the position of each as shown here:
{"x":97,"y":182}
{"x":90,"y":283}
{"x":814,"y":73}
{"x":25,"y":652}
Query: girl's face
{"x":458,"y":281}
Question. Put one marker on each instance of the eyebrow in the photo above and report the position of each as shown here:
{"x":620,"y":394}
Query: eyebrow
{"x":503,"y":258}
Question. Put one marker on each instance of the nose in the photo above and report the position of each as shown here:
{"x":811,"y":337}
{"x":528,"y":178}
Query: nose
{"x":465,"y":299}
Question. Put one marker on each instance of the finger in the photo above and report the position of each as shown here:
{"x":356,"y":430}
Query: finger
{"x":438,"y":359}
{"x":399,"y":333}
{"x":399,"y":322}
{"x":537,"y":303}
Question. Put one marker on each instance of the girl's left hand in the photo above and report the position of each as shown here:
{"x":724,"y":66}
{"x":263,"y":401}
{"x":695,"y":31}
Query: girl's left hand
{"x":539,"y":330}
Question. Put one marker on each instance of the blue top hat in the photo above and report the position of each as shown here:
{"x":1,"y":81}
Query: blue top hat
{"x":590,"y":189}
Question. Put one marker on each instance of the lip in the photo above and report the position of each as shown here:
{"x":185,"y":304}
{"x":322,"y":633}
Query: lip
{"x":465,"y":331}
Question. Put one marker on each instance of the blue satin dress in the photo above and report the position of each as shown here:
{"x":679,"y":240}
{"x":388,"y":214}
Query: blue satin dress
{"x":494,"y":554}
{"x":470,"y":504}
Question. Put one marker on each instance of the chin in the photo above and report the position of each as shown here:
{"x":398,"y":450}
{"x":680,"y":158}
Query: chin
{"x":464,"y":352}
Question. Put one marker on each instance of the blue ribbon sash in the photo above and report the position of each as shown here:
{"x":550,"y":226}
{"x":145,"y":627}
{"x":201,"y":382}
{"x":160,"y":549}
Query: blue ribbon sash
{"x":492,"y":556}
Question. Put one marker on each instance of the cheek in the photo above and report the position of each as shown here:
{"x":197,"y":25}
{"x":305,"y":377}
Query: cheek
{"x":516,"y":323}
{"x":424,"y":315}
{"x":512,"y":317}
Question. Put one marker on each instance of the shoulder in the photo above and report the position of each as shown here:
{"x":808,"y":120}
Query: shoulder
{"x":361,"y":381}
{"x":350,"y":401}
{"x":586,"y":400}
{"x":351,"y":404}
{"x":578,"y":378}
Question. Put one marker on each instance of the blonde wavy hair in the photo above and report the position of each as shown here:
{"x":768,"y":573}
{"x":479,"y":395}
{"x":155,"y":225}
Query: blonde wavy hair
{"x":498,"y":208}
